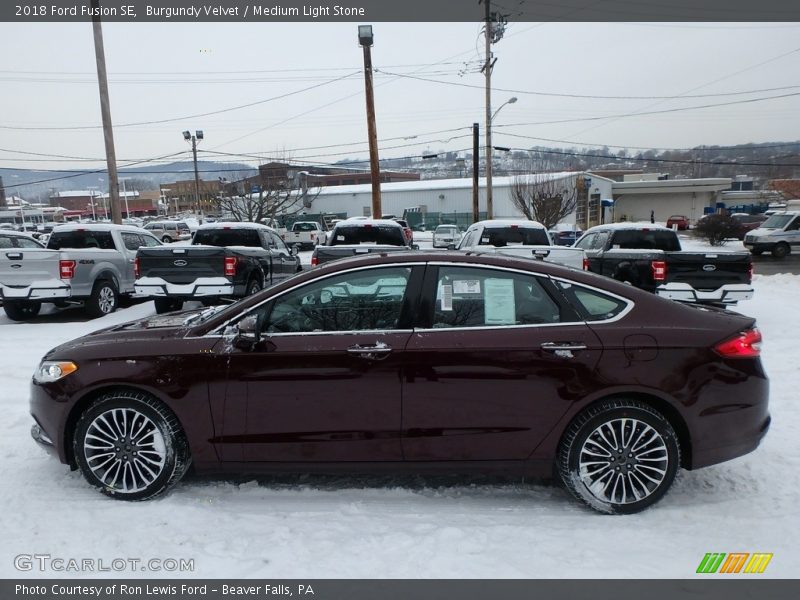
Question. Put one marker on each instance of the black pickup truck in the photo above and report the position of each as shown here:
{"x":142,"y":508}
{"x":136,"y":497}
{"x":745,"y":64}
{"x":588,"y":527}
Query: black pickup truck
{"x":225,"y":260}
{"x":361,"y":236}
{"x":650,"y":257}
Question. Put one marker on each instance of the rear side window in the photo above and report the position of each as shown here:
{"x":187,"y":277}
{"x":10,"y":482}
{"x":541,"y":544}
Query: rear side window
{"x":505,"y":236}
{"x":81,"y":240}
{"x":591,"y":304}
{"x":132,"y":241}
{"x":371,"y":234}
{"x":228,"y":237}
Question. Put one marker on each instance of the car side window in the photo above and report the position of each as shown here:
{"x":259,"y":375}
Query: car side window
{"x":469,"y":239}
{"x":5,"y":242}
{"x":132,"y":241}
{"x":794,"y":225}
{"x":591,"y":304}
{"x":150,"y":241}
{"x":586,"y":242}
{"x":26,"y":243}
{"x":477,"y":297}
{"x":278,"y":243}
{"x":370,"y":300}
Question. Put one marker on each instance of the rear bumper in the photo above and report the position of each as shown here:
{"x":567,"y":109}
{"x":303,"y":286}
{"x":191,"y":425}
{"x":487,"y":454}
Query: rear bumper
{"x":200,"y":287}
{"x":40,"y":290}
{"x":727,"y":294}
{"x":712,"y":456}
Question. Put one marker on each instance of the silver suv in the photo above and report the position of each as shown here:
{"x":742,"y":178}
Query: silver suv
{"x":169,"y":231}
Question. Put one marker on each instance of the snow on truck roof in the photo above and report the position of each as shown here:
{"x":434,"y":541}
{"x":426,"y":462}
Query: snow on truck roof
{"x":97,"y":227}
{"x":629,"y":225}
{"x":492,"y":223}
{"x":234,"y":225}
{"x":357,"y":222}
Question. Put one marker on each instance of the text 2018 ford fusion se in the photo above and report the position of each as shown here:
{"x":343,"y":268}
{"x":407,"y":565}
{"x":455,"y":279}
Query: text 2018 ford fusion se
{"x":420,"y":361}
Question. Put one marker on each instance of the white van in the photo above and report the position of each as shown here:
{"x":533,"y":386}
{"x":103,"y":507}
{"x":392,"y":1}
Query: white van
{"x":778,"y":234}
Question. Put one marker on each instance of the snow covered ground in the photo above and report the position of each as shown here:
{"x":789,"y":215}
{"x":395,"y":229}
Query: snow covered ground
{"x":433,"y":527}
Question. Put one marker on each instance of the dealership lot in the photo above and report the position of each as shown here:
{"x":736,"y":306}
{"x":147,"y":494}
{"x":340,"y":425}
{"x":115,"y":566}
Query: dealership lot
{"x":345,"y":526}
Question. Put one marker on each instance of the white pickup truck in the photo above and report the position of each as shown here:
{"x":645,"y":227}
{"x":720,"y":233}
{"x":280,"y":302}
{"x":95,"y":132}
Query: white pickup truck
{"x":308,"y":234}
{"x":83,"y":264}
{"x":519,"y":237}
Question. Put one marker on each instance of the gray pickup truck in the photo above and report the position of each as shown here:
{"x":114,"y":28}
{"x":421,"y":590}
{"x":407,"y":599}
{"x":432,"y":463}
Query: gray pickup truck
{"x":361,"y":236}
{"x":89,"y":264}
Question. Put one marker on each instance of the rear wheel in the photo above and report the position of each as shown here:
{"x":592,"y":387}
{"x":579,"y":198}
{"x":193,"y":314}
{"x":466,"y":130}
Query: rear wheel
{"x":130,"y":446}
{"x":166,"y":239}
{"x":165,"y":305}
{"x":21,"y":310}
{"x":619,"y":457}
{"x":781,"y":250}
{"x":253,"y":286}
{"x":104,"y":299}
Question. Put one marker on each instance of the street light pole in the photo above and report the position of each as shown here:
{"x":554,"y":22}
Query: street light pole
{"x":365,"y":39}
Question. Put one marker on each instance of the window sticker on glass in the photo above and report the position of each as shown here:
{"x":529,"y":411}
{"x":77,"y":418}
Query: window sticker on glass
{"x":339,"y":238}
{"x":467,"y":286}
{"x":485,"y":240}
{"x":447,"y":297}
{"x":499,"y":302}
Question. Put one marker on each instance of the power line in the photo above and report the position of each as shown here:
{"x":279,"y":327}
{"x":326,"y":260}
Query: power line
{"x":594,"y":97}
{"x":205,"y":114}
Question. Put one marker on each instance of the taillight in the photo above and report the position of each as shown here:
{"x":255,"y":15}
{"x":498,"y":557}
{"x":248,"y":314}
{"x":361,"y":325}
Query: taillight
{"x":659,"y":268}
{"x":746,"y":344}
{"x":313,"y":236}
{"x":66,"y":269}
{"x":750,"y":272}
{"x":136,"y":268}
{"x":314,"y":261}
{"x":230,"y":266}
{"x":585,"y":264}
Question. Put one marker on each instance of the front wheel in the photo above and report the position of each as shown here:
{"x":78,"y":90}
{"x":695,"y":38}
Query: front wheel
{"x":21,"y":310}
{"x":104,"y":299}
{"x":130,"y":446}
{"x":781,"y":250}
{"x":619,"y":457}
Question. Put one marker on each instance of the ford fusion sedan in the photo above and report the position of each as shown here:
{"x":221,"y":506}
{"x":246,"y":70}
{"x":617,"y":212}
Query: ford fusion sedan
{"x":415,"y":362}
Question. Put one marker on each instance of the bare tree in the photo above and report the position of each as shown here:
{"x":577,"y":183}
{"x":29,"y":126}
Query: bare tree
{"x":544,"y":199}
{"x":279,"y":198}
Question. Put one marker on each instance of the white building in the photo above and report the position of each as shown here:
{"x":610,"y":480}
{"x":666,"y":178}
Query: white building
{"x":448,"y":196}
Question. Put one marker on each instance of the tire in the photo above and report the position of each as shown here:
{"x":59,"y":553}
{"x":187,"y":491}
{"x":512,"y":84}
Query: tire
{"x":130,"y":446}
{"x":253,"y":286}
{"x":781,"y":250}
{"x":166,"y":239}
{"x":104,"y":299}
{"x":21,"y":310}
{"x":642,"y":478}
{"x":165,"y":305}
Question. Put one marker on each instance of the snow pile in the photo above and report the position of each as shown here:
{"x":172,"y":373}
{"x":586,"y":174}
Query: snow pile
{"x":432,"y":527}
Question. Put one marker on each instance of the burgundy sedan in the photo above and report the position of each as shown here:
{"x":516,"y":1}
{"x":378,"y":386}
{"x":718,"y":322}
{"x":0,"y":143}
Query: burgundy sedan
{"x":415,"y":362}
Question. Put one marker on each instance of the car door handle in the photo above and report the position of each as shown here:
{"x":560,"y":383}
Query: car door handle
{"x":554,"y":346}
{"x":370,"y":352}
{"x":563,"y":349}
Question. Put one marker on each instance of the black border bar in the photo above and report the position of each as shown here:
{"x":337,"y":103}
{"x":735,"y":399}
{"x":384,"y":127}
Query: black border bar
{"x":310,"y":11}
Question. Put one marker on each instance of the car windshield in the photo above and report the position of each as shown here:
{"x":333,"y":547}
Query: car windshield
{"x":777,"y":221}
{"x":503,"y":236}
{"x":445,"y":229}
{"x":368,"y":234}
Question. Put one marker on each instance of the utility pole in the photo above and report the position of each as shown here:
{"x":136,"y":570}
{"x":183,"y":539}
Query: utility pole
{"x":365,"y":39}
{"x":198,"y":135}
{"x":105,"y":109}
{"x":487,"y":71}
{"x":476,"y":165}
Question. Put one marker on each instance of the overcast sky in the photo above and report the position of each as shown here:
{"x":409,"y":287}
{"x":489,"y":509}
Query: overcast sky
{"x":173,"y":70}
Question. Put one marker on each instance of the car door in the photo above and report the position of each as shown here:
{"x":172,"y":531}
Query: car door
{"x":131,"y":242}
{"x":323,"y":382}
{"x":285,"y":263}
{"x":494,"y":363}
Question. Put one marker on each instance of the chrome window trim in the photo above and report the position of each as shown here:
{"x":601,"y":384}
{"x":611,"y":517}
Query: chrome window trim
{"x":218,"y":331}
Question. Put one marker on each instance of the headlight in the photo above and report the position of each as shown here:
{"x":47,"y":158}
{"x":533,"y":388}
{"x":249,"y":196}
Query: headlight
{"x":53,"y":370}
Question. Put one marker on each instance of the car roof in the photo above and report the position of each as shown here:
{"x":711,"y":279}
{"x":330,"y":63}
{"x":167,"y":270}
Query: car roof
{"x":234,"y":225}
{"x":641,"y":225}
{"x":369,"y":222}
{"x":497,"y":223}
{"x":97,"y":227}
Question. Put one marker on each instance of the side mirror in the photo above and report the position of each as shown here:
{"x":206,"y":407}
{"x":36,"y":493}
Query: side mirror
{"x":451,"y":246}
{"x":247,"y":334}
{"x":295,"y":249}
{"x":415,"y":246}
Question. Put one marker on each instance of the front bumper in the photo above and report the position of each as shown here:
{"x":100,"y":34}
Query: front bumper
{"x":200,"y":287}
{"x":727,"y":294}
{"x":759,"y":247}
{"x":40,"y":290}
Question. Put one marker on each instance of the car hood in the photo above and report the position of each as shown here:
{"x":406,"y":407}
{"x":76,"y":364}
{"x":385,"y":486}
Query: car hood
{"x":116,"y":339}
